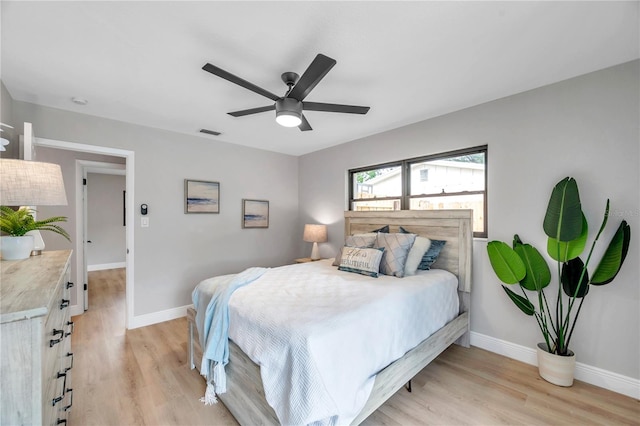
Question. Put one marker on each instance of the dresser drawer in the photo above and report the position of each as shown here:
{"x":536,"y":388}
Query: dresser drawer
{"x":35,"y":339}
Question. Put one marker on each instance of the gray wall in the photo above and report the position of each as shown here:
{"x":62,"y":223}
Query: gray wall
{"x":179,"y":250}
{"x":6,"y":117}
{"x":105,"y":225}
{"x":586,"y":127}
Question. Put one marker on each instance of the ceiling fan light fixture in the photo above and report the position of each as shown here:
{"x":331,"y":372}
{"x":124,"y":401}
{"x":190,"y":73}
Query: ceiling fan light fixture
{"x":288,"y":112}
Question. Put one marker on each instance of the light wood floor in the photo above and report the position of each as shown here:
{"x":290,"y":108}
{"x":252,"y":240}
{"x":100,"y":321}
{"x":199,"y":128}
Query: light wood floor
{"x":141,"y":377}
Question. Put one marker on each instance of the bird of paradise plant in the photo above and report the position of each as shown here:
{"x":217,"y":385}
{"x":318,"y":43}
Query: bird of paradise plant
{"x":567,"y":230}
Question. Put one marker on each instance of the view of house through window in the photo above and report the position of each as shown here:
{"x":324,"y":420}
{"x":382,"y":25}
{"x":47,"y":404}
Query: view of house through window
{"x":453,"y":180}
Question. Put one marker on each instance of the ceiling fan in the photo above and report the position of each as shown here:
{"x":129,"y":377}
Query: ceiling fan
{"x":290,"y":106}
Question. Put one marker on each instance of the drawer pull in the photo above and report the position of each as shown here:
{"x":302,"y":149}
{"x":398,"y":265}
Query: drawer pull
{"x":55,"y":332}
{"x":64,"y":388}
{"x":64,"y":383}
{"x":60,"y":421}
{"x":69,"y":354}
{"x":69,"y":284}
{"x":54,"y":342}
{"x":72,"y":328}
{"x":64,"y":303}
{"x":68,"y":407}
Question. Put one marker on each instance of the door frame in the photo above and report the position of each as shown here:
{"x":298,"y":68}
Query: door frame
{"x":83,"y":168}
{"x":129,"y":157}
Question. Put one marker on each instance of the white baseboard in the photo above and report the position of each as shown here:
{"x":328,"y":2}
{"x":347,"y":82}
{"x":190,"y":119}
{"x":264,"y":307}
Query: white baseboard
{"x":156,"y":317}
{"x":103,"y":266}
{"x":596,"y":376}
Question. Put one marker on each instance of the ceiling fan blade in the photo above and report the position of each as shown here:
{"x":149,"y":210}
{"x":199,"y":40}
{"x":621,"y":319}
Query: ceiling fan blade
{"x":239,"y":81}
{"x":252,"y":111}
{"x":312,"y":76}
{"x":349,"y":109}
{"x":304,"y":126}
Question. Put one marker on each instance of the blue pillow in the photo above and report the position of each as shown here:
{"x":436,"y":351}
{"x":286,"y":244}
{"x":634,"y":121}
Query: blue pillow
{"x":431,"y":255}
{"x":385,"y":230}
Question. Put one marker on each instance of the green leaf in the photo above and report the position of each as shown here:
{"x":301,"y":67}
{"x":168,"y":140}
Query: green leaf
{"x":525,"y":305}
{"x":505,"y":262}
{"x":570,"y":278}
{"x":538,"y":275}
{"x":613,"y":257}
{"x":563,"y":251}
{"x":563,"y":220}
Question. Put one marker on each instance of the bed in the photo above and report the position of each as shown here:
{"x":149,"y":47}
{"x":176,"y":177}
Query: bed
{"x":245,"y":396}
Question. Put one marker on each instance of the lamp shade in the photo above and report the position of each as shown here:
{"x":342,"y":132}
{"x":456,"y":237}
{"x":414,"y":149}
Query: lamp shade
{"x":31,"y":183}
{"x":315,"y":233}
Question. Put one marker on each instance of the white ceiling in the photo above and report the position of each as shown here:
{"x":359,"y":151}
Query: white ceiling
{"x":140,"y":62}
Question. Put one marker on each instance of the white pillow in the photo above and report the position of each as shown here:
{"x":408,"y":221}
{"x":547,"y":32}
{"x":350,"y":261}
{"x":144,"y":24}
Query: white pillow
{"x":418,"y":249}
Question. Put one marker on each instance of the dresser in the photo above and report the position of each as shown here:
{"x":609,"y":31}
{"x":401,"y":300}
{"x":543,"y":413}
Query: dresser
{"x":35,"y":340}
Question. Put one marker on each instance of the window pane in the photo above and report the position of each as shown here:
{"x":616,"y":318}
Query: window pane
{"x":471,"y":201}
{"x":455,"y":174}
{"x":375,"y":205}
{"x":377,"y":183}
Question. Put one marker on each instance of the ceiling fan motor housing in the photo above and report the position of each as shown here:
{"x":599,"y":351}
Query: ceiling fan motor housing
{"x":288,"y":112}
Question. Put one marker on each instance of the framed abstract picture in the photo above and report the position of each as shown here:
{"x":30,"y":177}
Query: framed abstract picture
{"x":201,"y":196}
{"x":255,"y":213}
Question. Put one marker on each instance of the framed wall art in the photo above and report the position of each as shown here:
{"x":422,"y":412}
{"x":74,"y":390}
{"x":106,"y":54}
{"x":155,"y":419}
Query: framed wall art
{"x":201,"y":196}
{"x":255,"y":213}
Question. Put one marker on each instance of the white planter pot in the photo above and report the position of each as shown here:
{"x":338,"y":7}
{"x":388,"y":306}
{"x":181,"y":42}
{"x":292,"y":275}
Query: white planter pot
{"x":16,"y":248}
{"x":554,"y":368}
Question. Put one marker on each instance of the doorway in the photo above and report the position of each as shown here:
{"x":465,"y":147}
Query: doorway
{"x":79,"y":269}
{"x":103,"y":218}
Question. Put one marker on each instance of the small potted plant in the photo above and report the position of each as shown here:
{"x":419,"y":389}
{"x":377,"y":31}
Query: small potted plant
{"x":567,"y":230}
{"x":17,"y":223}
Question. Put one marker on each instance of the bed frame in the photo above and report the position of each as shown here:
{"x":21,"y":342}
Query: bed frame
{"x":245,"y":395}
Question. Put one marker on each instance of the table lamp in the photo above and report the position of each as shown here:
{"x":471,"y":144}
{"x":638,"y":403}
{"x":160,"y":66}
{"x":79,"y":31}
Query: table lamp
{"x":315,"y":234}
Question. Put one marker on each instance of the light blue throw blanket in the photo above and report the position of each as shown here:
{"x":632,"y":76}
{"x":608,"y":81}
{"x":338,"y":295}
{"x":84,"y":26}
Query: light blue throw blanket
{"x":211,"y":300}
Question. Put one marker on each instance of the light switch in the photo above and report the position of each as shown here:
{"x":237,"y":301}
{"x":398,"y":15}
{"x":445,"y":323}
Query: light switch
{"x":144,"y":222}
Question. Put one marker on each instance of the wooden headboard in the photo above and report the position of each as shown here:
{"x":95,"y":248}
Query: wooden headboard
{"x":453,"y":226}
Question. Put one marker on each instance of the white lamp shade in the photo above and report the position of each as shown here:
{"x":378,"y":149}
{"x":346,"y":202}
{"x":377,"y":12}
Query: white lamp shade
{"x":315,"y":233}
{"x":31,"y":183}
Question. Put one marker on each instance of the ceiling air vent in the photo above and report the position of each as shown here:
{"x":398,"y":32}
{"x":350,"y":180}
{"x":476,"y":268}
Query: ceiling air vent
{"x":210,"y":132}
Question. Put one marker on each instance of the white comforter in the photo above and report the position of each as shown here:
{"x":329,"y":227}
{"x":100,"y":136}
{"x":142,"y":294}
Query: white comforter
{"x":338,"y":330}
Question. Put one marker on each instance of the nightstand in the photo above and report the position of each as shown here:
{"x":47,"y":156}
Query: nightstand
{"x":305,"y":260}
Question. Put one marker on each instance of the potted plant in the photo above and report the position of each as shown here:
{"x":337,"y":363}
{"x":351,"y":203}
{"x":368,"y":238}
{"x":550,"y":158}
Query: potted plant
{"x":567,"y":230}
{"x":17,"y":223}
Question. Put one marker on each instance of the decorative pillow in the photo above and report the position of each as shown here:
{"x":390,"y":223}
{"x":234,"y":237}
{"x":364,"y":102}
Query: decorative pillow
{"x":432,"y":254}
{"x":418,"y":250}
{"x":396,"y":248}
{"x":358,"y":240}
{"x":384,"y":230}
{"x":365,"y":261}
{"x":361,"y":240}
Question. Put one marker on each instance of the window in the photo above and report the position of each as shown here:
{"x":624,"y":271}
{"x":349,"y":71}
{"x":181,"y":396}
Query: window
{"x":376,"y":188}
{"x":451,"y":180}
